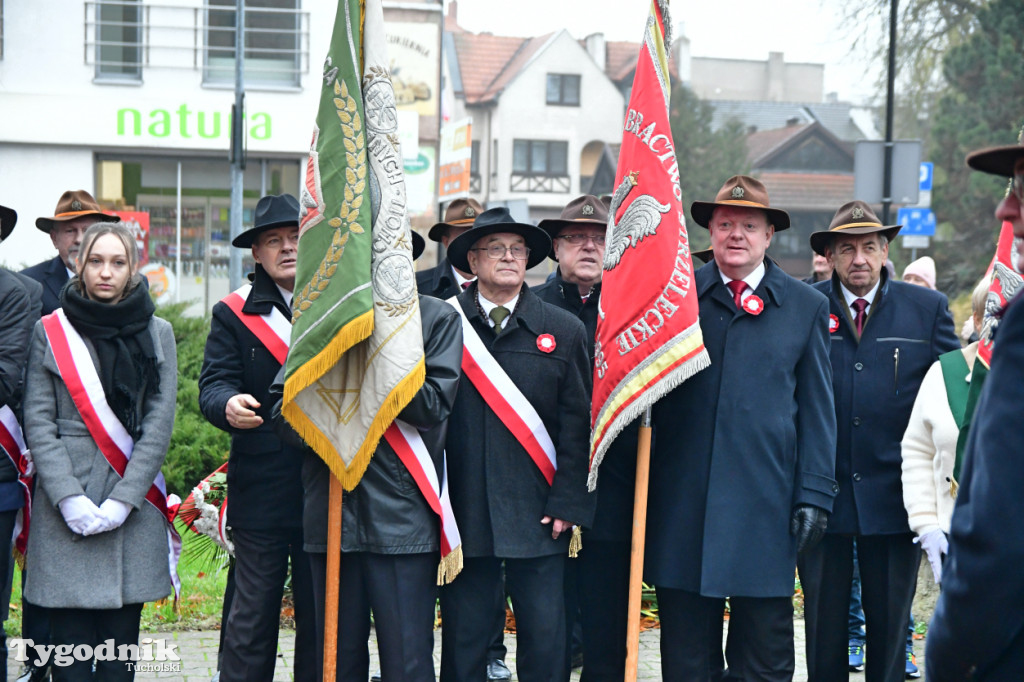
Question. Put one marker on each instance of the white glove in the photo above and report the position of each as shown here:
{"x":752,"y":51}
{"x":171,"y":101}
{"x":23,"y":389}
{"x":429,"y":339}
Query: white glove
{"x":82,"y":516}
{"x":935,"y":545}
{"x":115,"y":512}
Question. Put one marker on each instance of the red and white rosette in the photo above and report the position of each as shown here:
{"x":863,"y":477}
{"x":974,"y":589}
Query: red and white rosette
{"x":753,"y":305}
{"x":833,"y":324}
{"x":546,"y":343}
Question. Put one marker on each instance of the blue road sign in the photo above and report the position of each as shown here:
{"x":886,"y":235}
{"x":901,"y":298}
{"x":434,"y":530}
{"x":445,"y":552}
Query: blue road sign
{"x":927,"y":173}
{"x":917,"y":221}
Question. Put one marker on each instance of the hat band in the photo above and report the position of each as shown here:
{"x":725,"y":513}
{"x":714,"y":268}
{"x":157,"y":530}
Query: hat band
{"x":743,"y":203}
{"x":75,"y":214}
{"x":847,"y":226}
{"x":460,"y":221}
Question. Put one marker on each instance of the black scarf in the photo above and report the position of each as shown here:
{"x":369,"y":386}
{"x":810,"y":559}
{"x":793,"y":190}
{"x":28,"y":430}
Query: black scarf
{"x":120,"y":334}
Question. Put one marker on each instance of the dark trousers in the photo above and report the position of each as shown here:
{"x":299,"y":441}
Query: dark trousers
{"x":225,"y":609}
{"x":7,"y":520}
{"x":536,"y":588}
{"x":93,"y":627}
{"x":401,"y":591}
{"x":497,"y":648}
{"x":604,"y":603}
{"x":888,"y":573}
{"x":261,"y":566}
{"x":760,"y":642}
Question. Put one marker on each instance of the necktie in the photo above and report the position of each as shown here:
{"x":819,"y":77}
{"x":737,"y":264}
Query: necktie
{"x":859,"y":306}
{"x":498,"y":314}
{"x":736,"y":287}
{"x":465,"y":285}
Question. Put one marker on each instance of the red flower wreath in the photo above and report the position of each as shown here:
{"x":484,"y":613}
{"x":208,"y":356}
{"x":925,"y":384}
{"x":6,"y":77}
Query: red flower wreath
{"x":753,"y":305}
{"x":833,"y":324}
{"x":546,"y":343}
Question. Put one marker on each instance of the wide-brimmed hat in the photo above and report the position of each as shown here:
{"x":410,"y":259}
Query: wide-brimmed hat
{"x":996,"y":160}
{"x":460,"y":213}
{"x":584,"y":210}
{"x":8,"y":219}
{"x":494,"y":221}
{"x":855,"y":217}
{"x":704,"y":255}
{"x":75,"y":204}
{"x":271,"y":211}
{"x":418,"y":244}
{"x":740,"y":191}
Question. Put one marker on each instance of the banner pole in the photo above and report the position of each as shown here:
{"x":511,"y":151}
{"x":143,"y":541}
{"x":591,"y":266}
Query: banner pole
{"x":333,"y":578}
{"x":636,"y":559}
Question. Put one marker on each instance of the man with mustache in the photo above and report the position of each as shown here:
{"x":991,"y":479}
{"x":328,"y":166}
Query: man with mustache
{"x":243,"y":355}
{"x":885,"y":334}
{"x":76,"y":211}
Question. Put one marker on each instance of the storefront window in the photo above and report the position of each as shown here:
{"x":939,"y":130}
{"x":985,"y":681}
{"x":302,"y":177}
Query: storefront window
{"x":149,"y":187}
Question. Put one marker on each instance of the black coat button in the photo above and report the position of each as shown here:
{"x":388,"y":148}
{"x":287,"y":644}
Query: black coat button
{"x":856,"y":477}
{"x":856,"y":421}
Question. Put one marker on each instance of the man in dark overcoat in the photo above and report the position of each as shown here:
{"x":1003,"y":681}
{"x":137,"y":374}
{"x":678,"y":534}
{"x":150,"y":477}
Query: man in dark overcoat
{"x":742,"y":466}
{"x":444,"y":280}
{"x":884,"y":336}
{"x":599,"y":580}
{"x":977,"y":631}
{"x":508,"y":511}
{"x":264,"y":474}
{"x":76,"y":211}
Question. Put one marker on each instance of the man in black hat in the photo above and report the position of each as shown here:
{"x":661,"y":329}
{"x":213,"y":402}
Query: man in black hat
{"x":517,"y":450}
{"x":76,"y":211}
{"x":742,"y":467}
{"x":18,"y":314}
{"x":978,"y":628}
{"x":445,"y":280}
{"x":885,"y":334}
{"x":243,"y":355}
{"x":599,"y":581}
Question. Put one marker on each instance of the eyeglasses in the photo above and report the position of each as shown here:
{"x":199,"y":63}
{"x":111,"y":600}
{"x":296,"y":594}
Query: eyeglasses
{"x":1017,"y":186}
{"x":497,"y":251}
{"x":580,"y":239}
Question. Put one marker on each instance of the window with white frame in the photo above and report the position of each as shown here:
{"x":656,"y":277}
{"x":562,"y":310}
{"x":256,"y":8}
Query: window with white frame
{"x":272,"y":42}
{"x":563,"y":89}
{"x":119,"y":40}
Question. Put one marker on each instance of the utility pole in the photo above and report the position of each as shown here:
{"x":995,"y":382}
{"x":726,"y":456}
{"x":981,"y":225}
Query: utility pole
{"x":237,"y":148}
{"x":890,"y":97}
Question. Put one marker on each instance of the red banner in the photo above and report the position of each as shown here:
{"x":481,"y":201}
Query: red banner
{"x":1005,"y":279}
{"x":648,"y":336}
{"x":138,"y":223}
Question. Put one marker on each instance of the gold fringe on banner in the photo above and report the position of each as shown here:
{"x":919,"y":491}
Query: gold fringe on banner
{"x":576,"y":543}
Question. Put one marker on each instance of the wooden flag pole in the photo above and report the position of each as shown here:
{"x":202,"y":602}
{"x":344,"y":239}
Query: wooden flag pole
{"x":333,"y":578}
{"x":636,"y":559}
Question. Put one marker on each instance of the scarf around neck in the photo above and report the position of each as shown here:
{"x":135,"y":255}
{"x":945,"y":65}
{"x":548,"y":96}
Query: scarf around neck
{"x":119,"y":333}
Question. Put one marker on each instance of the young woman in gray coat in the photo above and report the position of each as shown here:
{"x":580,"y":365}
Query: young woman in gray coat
{"x":98,"y":549}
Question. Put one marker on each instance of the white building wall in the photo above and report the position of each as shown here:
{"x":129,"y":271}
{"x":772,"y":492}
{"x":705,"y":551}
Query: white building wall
{"x":523,"y":114}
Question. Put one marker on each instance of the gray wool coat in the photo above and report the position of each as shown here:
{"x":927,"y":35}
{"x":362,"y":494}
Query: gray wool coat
{"x":127,"y":565}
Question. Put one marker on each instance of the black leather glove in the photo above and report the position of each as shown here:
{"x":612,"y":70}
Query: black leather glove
{"x":808,"y":525}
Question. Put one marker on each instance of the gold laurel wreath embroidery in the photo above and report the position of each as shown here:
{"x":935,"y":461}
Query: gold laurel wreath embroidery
{"x":347,"y":221}
{"x":396,"y":310}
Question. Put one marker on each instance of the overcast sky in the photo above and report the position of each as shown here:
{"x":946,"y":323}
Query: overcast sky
{"x":804,"y":30}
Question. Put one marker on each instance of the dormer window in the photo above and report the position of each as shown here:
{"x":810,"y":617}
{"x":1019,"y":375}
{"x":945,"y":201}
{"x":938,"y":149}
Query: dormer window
{"x":563,"y":89}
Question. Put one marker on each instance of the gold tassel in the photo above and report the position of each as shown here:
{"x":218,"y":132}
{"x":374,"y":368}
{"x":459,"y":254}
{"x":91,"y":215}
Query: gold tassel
{"x":954,"y":487}
{"x":576,"y":543}
{"x":450,"y":566}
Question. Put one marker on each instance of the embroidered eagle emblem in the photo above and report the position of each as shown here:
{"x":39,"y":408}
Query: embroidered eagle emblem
{"x":641,"y":219}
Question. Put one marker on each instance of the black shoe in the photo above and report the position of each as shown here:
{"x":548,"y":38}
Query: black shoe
{"x":32,"y":673}
{"x":497,"y":670}
{"x":375,"y":677}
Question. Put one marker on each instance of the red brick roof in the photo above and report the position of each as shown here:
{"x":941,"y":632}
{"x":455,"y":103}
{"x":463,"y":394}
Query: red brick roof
{"x":808,"y":191}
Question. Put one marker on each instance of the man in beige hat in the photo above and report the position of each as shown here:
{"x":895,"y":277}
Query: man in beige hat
{"x":445,"y":280}
{"x":885,"y":334}
{"x":76,"y":211}
{"x":742,"y":467}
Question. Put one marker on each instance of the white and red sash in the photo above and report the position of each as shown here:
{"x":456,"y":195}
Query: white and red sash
{"x":83,"y":383}
{"x":13,"y":443}
{"x":274,"y":330}
{"x":505,"y":399}
{"x":406,"y":441}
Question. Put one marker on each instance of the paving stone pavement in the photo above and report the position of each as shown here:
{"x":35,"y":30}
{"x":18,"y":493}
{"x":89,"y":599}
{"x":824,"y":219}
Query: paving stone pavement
{"x":198,"y":652}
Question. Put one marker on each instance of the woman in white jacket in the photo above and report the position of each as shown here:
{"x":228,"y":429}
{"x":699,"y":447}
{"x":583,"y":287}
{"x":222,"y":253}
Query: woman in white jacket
{"x":929,"y":449}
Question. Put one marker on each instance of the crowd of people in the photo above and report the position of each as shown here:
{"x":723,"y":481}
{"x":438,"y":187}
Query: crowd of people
{"x":827,"y":436}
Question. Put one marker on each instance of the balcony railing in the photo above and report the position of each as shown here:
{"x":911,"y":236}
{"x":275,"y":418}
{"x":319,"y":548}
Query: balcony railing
{"x":122,"y":38}
{"x":540,"y":183}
